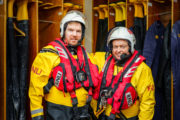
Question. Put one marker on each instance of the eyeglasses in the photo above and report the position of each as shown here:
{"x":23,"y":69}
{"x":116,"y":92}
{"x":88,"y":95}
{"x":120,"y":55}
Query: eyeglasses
{"x":120,"y":47}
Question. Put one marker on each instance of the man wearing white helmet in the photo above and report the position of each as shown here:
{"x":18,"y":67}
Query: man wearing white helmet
{"x":126,"y":87}
{"x":62,"y":74}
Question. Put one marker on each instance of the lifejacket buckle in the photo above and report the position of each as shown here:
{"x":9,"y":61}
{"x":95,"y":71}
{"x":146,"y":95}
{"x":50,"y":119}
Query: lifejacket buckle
{"x":107,"y":93}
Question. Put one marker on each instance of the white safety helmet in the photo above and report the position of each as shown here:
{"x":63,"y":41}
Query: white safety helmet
{"x":71,"y":16}
{"x":122,"y":33}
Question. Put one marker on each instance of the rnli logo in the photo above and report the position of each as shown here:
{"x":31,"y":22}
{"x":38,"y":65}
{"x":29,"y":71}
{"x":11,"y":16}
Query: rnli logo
{"x":62,"y":52}
{"x":58,"y":78}
{"x":36,"y":70}
{"x":129,"y":99}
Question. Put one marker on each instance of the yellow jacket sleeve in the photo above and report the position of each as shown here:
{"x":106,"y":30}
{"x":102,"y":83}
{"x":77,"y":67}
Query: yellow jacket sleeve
{"x":40,"y":71}
{"x":146,"y":92}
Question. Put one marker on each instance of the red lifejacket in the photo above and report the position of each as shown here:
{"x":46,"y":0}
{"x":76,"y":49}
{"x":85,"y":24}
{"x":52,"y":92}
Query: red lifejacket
{"x":123,"y":93}
{"x":64,"y":74}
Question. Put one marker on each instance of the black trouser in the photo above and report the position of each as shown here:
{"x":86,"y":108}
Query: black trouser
{"x":61,"y":112}
{"x":104,"y":117}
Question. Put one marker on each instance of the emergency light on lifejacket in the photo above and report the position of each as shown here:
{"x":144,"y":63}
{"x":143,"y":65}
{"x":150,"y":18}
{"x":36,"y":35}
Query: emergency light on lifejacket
{"x":100,"y":12}
{"x":105,"y":9}
{"x":123,"y":7}
{"x":67,"y":6}
{"x":118,"y":12}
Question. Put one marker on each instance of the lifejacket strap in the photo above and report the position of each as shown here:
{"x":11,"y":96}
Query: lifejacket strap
{"x":87,"y":68}
{"x":48,"y":86}
{"x":73,"y":98}
{"x":89,"y":96}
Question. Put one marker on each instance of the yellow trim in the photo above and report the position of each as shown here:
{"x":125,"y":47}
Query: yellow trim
{"x":38,"y":114}
{"x":138,"y":10}
{"x":118,"y":12}
{"x":105,"y":9}
{"x":10,"y":8}
{"x":22,"y":12}
{"x":123,"y":6}
{"x":100,"y":12}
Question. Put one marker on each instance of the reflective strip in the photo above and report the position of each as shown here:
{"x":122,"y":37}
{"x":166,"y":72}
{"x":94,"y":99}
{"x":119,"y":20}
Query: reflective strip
{"x":36,"y":111}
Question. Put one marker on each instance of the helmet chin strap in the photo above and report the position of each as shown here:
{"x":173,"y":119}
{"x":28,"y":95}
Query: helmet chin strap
{"x":68,"y":45}
{"x":124,"y":57}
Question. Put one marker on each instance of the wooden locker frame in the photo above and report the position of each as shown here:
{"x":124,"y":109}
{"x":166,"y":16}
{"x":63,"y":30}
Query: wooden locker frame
{"x":3,"y":22}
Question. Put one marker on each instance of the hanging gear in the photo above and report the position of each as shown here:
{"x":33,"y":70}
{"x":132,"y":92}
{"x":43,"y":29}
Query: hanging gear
{"x":152,"y":51}
{"x":175,"y":58}
{"x":118,"y":91}
{"x":102,"y":27}
{"x":138,"y":27}
{"x":12,"y":82}
{"x":23,"y":55}
{"x":122,"y":33}
{"x":82,"y":74}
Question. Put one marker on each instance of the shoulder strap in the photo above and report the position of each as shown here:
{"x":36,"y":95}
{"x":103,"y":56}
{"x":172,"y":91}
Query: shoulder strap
{"x":103,"y":83}
{"x":87,"y":67}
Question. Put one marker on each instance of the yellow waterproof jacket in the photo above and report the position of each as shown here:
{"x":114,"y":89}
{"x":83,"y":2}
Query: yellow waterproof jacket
{"x":40,"y":71}
{"x":142,"y":81}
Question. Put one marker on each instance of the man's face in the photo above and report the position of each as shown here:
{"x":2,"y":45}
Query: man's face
{"x":119,"y":47}
{"x":73,"y":33}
